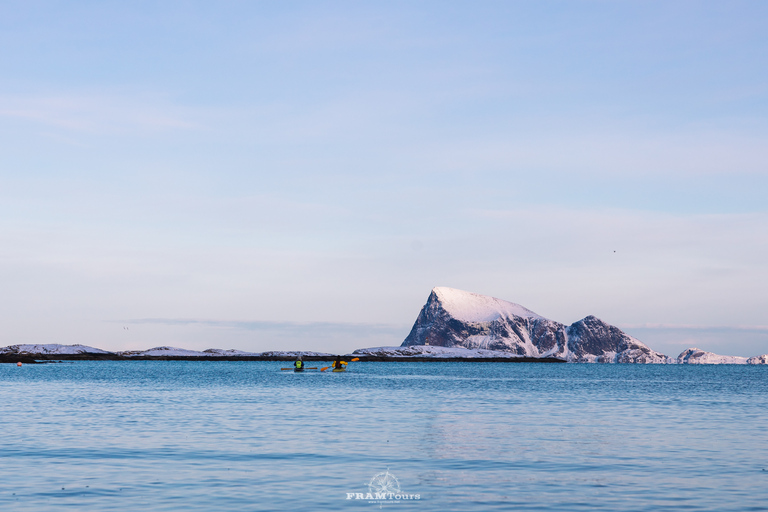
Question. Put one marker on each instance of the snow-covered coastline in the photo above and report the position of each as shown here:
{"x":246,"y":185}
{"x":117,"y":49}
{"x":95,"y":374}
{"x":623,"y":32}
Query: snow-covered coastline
{"x":434,"y":352}
{"x":51,"y":348}
{"x":443,"y":353}
{"x":413,"y":352}
{"x":55,"y":349}
{"x":218,"y":352}
{"x":183,"y":352}
{"x":763,"y":359}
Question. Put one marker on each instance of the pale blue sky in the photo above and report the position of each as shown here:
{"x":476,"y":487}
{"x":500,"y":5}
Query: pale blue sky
{"x":299,"y":175}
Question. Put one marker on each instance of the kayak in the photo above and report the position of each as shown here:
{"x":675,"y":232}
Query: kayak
{"x":339,"y":369}
{"x":299,"y":370}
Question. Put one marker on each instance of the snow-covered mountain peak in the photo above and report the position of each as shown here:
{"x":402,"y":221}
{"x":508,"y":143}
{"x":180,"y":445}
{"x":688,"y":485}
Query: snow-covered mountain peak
{"x":455,"y":318}
{"x":473,"y":307}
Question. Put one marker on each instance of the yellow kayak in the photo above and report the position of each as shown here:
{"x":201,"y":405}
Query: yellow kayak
{"x":340,"y":369}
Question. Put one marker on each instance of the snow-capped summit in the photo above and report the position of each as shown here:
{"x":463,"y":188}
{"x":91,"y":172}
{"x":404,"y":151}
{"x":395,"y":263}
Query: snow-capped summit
{"x":473,"y":307}
{"x":455,"y":318}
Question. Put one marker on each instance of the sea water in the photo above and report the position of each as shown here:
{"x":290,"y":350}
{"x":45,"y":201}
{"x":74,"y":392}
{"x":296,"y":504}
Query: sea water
{"x":239,"y":436}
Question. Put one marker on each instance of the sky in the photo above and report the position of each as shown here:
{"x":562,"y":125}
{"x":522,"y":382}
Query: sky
{"x":299,"y":175}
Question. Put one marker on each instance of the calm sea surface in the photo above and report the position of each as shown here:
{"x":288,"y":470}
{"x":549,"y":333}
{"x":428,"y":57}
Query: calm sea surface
{"x":239,"y":436}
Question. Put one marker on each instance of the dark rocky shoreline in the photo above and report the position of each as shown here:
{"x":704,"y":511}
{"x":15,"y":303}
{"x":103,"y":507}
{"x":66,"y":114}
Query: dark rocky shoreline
{"x":15,"y":358}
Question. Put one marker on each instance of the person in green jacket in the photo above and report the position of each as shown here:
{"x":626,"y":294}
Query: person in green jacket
{"x":298,"y":365}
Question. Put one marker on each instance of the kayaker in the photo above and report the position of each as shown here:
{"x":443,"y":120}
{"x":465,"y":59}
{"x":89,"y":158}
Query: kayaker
{"x":299,"y":364}
{"x":337,"y":363}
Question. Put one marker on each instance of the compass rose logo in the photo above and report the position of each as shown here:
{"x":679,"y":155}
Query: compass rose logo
{"x":384,"y":483}
{"x":384,"y":488}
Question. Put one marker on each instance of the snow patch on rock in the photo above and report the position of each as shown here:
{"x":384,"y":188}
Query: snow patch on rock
{"x":220,"y":352}
{"x":163,"y":351}
{"x":52,"y":349}
{"x":698,"y":356}
{"x":216,"y":352}
{"x":433,"y":352}
{"x":295,"y":353}
{"x":763,"y":359}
